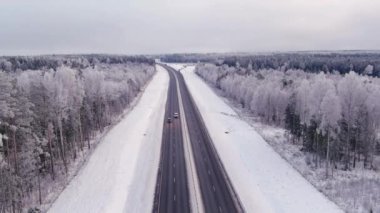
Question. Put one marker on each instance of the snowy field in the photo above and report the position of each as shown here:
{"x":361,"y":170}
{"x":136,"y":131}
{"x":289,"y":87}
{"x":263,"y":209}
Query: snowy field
{"x":264,"y":181}
{"x":121,"y":173}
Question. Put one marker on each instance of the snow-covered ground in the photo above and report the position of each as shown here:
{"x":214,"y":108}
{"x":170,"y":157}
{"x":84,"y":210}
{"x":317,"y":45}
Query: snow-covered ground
{"x":264,"y":181}
{"x":355,"y":190}
{"x":120,"y":175}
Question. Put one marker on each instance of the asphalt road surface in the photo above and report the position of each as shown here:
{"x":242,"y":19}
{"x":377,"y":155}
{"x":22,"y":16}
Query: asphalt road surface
{"x":217,"y":192}
{"x":172,"y":194}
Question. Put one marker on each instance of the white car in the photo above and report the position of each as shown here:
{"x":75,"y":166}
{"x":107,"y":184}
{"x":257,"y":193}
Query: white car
{"x":176,"y":115}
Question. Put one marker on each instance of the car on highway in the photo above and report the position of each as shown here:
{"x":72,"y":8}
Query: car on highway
{"x":176,"y":115}
{"x":169,"y":120}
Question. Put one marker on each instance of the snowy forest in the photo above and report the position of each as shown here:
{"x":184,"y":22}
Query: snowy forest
{"x":336,"y":117}
{"x":51,"y":109}
{"x":362,"y":62}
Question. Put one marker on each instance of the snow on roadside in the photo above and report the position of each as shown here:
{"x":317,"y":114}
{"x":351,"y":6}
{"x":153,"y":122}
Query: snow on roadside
{"x":120,"y":175}
{"x":263,"y":180}
{"x":356,"y":190}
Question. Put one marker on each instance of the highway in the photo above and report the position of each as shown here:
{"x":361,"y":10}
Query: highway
{"x":217,"y":192}
{"x":172,"y":193}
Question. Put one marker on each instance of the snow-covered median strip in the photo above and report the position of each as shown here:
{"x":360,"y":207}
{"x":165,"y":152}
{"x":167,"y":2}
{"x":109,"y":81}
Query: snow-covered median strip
{"x":263,"y":180}
{"x":121,"y":173}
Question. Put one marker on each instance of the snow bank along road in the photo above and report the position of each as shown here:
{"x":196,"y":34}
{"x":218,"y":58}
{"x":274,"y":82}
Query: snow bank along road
{"x":120,"y":176}
{"x":263,"y":180}
{"x":216,"y":191}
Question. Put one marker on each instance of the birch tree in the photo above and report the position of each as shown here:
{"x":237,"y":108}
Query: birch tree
{"x":330,"y":116}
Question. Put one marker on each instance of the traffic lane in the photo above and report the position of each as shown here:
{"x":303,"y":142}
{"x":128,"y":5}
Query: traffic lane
{"x":210,"y":184}
{"x":162,"y":190}
{"x":215,"y":192}
{"x":173,"y":196}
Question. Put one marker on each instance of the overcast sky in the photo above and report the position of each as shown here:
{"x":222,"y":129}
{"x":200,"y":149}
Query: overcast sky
{"x":177,"y":26}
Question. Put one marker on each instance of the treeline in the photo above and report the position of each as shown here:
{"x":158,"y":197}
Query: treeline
{"x":367,"y":63}
{"x":48,"y":118}
{"x":335,"y":117}
{"x":361,"y":63}
{"x":189,"y":58}
{"x":14,"y":63}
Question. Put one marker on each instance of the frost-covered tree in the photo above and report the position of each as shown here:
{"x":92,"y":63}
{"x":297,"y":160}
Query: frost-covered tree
{"x":49,"y":108}
{"x":303,"y":101}
{"x":335,"y":116}
{"x":368,"y":70}
{"x":5,"y":96}
{"x":330,"y":115}
{"x":352,"y":95}
{"x":94,"y":89}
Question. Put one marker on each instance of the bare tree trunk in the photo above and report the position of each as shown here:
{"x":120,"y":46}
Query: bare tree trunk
{"x":74,"y":147}
{"x":50,"y":129}
{"x":57,"y":152}
{"x":15,"y":150}
{"x":80,"y":132}
{"x":8,"y":158}
{"x":13,"y":206}
{"x":88,"y":143}
{"x":62,"y":144}
{"x":348,"y":147}
{"x":328,"y":155}
{"x":316,"y":149}
{"x":39,"y":186}
{"x":355,"y":149}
